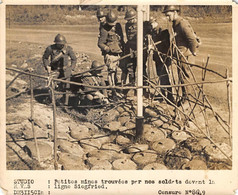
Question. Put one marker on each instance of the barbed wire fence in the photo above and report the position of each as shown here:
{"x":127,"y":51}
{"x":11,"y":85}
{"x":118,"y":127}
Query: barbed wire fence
{"x":195,"y":98}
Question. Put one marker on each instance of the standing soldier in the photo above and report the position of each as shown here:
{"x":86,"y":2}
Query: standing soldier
{"x":186,"y":41}
{"x":101,"y":16}
{"x":130,"y":47}
{"x":56,"y":60}
{"x":111,"y":43}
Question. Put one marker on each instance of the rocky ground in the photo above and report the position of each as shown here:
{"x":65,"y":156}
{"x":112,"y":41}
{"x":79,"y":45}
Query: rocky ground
{"x":104,"y":138}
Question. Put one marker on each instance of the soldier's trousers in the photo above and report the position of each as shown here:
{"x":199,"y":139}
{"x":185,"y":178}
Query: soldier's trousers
{"x":112,"y":69}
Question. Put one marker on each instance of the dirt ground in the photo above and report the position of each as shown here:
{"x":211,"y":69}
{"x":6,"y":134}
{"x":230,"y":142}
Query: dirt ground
{"x":216,"y":42}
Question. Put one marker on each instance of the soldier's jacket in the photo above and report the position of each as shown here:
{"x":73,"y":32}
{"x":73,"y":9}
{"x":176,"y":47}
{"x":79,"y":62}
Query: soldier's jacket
{"x":58,"y":58}
{"x":131,"y":34}
{"x":111,"y":37}
{"x":93,"y":80}
{"x":185,"y":36}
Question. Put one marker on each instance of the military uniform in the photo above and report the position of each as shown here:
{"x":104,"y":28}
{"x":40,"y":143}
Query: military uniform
{"x":111,"y":43}
{"x":93,"y":95}
{"x":131,"y":46}
{"x":58,"y":60}
{"x":163,"y":62}
{"x":186,"y":39}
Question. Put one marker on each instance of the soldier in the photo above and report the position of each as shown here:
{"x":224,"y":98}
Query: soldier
{"x":111,"y":43}
{"x":56,"y":59}
{"x":92,"y":95}
{"x":101,"y":16}
{"x":161,"y":62}
{"x":130,"y":47}
{"x":186,"y":40}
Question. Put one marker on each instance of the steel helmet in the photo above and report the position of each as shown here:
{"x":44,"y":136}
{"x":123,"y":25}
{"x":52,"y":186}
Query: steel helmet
{"x":95,"y":64}
{"x":130,"y":14}
{"x":100,"y":13}
{"x":111,"y":18}
{"x":60,"y":39}
{"x":168,"y":8}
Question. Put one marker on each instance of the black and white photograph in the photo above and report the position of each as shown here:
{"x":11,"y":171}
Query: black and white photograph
{"x":108,"y":88}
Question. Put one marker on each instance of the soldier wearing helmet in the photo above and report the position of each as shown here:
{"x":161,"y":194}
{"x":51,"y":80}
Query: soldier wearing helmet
{"x":111,"y":43}
{"x":101,"y":16}
{"x":56,"y":59}
{"x":129,"y":67}
{"x":95,"y":78}
{"x":185,"y":39}
{"x":56,"y":56}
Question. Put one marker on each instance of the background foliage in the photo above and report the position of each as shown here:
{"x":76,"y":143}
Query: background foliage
{"x":75,"y":14}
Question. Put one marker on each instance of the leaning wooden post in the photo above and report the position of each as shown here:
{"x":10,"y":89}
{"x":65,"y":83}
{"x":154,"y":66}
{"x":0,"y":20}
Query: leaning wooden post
{"x":229,"y":105}
{"x":140,"y":118}
{"x":54,"y":125}
{"x":32,"y":120}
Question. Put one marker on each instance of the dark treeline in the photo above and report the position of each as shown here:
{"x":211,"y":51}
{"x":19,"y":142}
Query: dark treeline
{"x":60,"y":14}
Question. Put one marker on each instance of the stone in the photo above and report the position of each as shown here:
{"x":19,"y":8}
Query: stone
{"x":153,"y":134}
{"x":137,"y":148}
{"x":14,"y":129}
{"x":157,"y":122}
{"x":102,"y":166}
{"x":151,"y":112}
{"x":102,"y":138}
{"x":179,"y":135}
{"x":79,"y":132}
{"x":124,"y":164}
{"x":28,"y":132}
{"x":130,"y":125}
{"x":195,"y":145}
{"x":111,"y":146}
{"x":215,"y":154}
{"x":121,"y":140}
{"x":68,"y":147}
{"x":162,"y":146}
{"x":90,"y":144}
{"x":113,"y":126}
{"x":155,"y":166}
{"x":125,"y":113}
{"x":71,"y":162}
{"x":108,"y":155}
{"x":124,"y":129}
{"x":111,"y":115}
{"x":97,"y":163}
{"x":146,"y":157}
{"x":45,"y":149}
{"x":176,"y":158}
{"x":195,"y":165}
{"x":63,"y":135}
{"x":124,"y":119}
{"x":173,"y":128}
{"x":120,"y":109}
{"x":90,"y":126}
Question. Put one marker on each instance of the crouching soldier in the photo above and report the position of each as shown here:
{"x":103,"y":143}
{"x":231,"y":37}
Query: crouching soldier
{"x":92,"y":95}
{"x":56,"y":60}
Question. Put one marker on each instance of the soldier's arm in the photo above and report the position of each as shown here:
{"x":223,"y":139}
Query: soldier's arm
{"x":126,"y":29}
{"x":120,"y":33}
{"x":45,"y":59}
{"x":190,"y":36}
{"x":102,"y":40}
{"x":103,"y":83}
{"x":72,"y":57}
